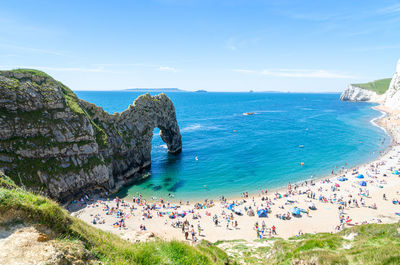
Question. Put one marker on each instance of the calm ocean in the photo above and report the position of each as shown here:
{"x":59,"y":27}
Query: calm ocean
{"x":239,"y":153}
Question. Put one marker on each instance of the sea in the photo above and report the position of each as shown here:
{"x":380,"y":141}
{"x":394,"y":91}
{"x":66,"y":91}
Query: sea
{"x":290,"y":138}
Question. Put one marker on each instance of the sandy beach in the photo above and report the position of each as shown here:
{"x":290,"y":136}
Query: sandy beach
{"x":368,"y":193}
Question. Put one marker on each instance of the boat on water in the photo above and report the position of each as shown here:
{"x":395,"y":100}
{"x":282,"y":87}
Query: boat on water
{"x":248,"y":113}
{"x":301,"y":146}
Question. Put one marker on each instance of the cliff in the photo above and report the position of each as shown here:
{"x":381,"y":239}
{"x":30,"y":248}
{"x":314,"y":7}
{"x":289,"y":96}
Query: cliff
{"x":355,"y":93}
{"x":384,"y":91}
{"x":392,"y":96}
{"x":54,"y":142}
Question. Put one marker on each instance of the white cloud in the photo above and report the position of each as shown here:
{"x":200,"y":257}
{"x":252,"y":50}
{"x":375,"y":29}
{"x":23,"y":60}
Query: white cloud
{"x":390,"y":9}
{"x":167,"y":69}
{"x":296,"y":73}
{"x":30,"y":49}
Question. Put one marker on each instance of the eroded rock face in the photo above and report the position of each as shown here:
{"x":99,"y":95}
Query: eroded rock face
{"x":354,"y":93}
{"x":52,"y":141}
{"x":390,"y":99}
{"x":392,"y":95}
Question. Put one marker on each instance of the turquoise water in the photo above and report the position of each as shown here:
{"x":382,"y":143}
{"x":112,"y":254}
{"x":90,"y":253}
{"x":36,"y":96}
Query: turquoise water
{"x":264,"y":151}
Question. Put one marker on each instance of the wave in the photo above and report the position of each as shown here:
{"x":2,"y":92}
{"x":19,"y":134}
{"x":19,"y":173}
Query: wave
{"x":193,"y":127}
{"x":268,"y":111}
{"x":303,"y":108}
{"x":373,"y":121}
{"x":311,"y":117}
{"x":199,"y":127}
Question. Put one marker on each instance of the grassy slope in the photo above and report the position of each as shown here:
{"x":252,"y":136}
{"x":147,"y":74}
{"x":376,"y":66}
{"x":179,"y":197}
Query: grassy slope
{"x":107,"y":247}
{"x":372,"y":244}
{"x":379,"y":86}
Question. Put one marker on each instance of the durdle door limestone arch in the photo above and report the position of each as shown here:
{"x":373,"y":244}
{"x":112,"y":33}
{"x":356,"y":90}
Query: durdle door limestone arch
{"x":132,"y":133}
{"x":52,"y":141}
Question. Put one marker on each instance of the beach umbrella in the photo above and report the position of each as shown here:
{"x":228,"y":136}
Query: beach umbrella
{"x":396,"y":172}
{"x":362,"y":183}
{"x":361,"y":176}
{"x":295,"y":211}
{"x":311,"y":205}
{"x":262,"y":213}
{"x":337,"y":185}
{"x":230,"y":207}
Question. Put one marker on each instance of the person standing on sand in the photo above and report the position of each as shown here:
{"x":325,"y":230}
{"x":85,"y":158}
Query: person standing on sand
{"x":193,"y":234}
{"x":186,"y":235}
{"x":273,"y":229}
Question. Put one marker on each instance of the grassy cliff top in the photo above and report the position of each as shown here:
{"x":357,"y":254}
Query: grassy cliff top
{"x":378,"y":86}
{"x":17,"y":204}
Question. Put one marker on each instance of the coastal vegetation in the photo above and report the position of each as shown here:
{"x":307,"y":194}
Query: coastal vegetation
{"x":365,"y":244}
{"x":19,"y":206}
{"x":378,"y":86}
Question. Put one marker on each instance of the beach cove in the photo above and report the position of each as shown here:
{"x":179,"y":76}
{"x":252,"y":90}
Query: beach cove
{"x":368,"y":193}
{"x":237,"y":152}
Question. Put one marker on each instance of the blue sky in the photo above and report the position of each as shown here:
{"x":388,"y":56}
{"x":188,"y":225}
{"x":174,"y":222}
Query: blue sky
{"x":234,"y":45}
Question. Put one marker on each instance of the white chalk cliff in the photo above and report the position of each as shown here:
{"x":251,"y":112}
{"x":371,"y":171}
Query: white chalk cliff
{"x":355,"y":93}
{"x":390,"y":99}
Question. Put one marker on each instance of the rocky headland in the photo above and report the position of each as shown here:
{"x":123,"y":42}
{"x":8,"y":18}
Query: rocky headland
{"x":52,"y":141}
{"x":390,"y":98}
{"x":389,"y":102}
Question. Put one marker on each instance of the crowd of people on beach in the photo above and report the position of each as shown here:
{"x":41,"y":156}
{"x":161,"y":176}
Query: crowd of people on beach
{"x":346,"y":189}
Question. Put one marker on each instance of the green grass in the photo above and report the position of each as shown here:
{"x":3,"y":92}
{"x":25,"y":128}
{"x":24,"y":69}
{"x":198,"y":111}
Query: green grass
{"x":379,"y":86}
{"x":73,"y":104}
{"x":17,"y":203}
{"x":373,"y":244}
{"x":31,"y":72}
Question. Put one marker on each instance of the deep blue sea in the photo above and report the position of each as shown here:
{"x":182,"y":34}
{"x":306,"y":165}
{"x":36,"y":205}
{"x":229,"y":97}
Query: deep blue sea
{"x":239,"y":153}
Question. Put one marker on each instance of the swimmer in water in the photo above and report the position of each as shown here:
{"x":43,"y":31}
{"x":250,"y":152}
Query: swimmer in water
{"x":197,"y":158}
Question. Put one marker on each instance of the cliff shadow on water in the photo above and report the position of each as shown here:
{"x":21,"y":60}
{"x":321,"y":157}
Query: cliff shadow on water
{"x":167,"y":163}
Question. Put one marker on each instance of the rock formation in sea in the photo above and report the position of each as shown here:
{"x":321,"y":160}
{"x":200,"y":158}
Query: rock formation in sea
{"x":391,"y":98}
{"x":50,"y":140}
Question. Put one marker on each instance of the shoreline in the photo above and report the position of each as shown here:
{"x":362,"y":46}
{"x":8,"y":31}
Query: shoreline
{"x":374,"y":121}
{"x":324,"y":219}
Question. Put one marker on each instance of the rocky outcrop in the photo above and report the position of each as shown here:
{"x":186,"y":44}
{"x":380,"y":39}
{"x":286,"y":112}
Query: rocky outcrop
{"x":390,"y":99}
{"x":392,"y":96}
{"x":354,"y":93}
{"x":52,"y":141}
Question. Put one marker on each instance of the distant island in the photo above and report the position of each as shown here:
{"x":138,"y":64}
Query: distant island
{"x":155,"y":89}
{"x":201,"y":91}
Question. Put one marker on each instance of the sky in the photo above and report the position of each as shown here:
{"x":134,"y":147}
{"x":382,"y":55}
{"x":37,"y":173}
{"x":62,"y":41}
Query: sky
{"x":225,"y":45}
